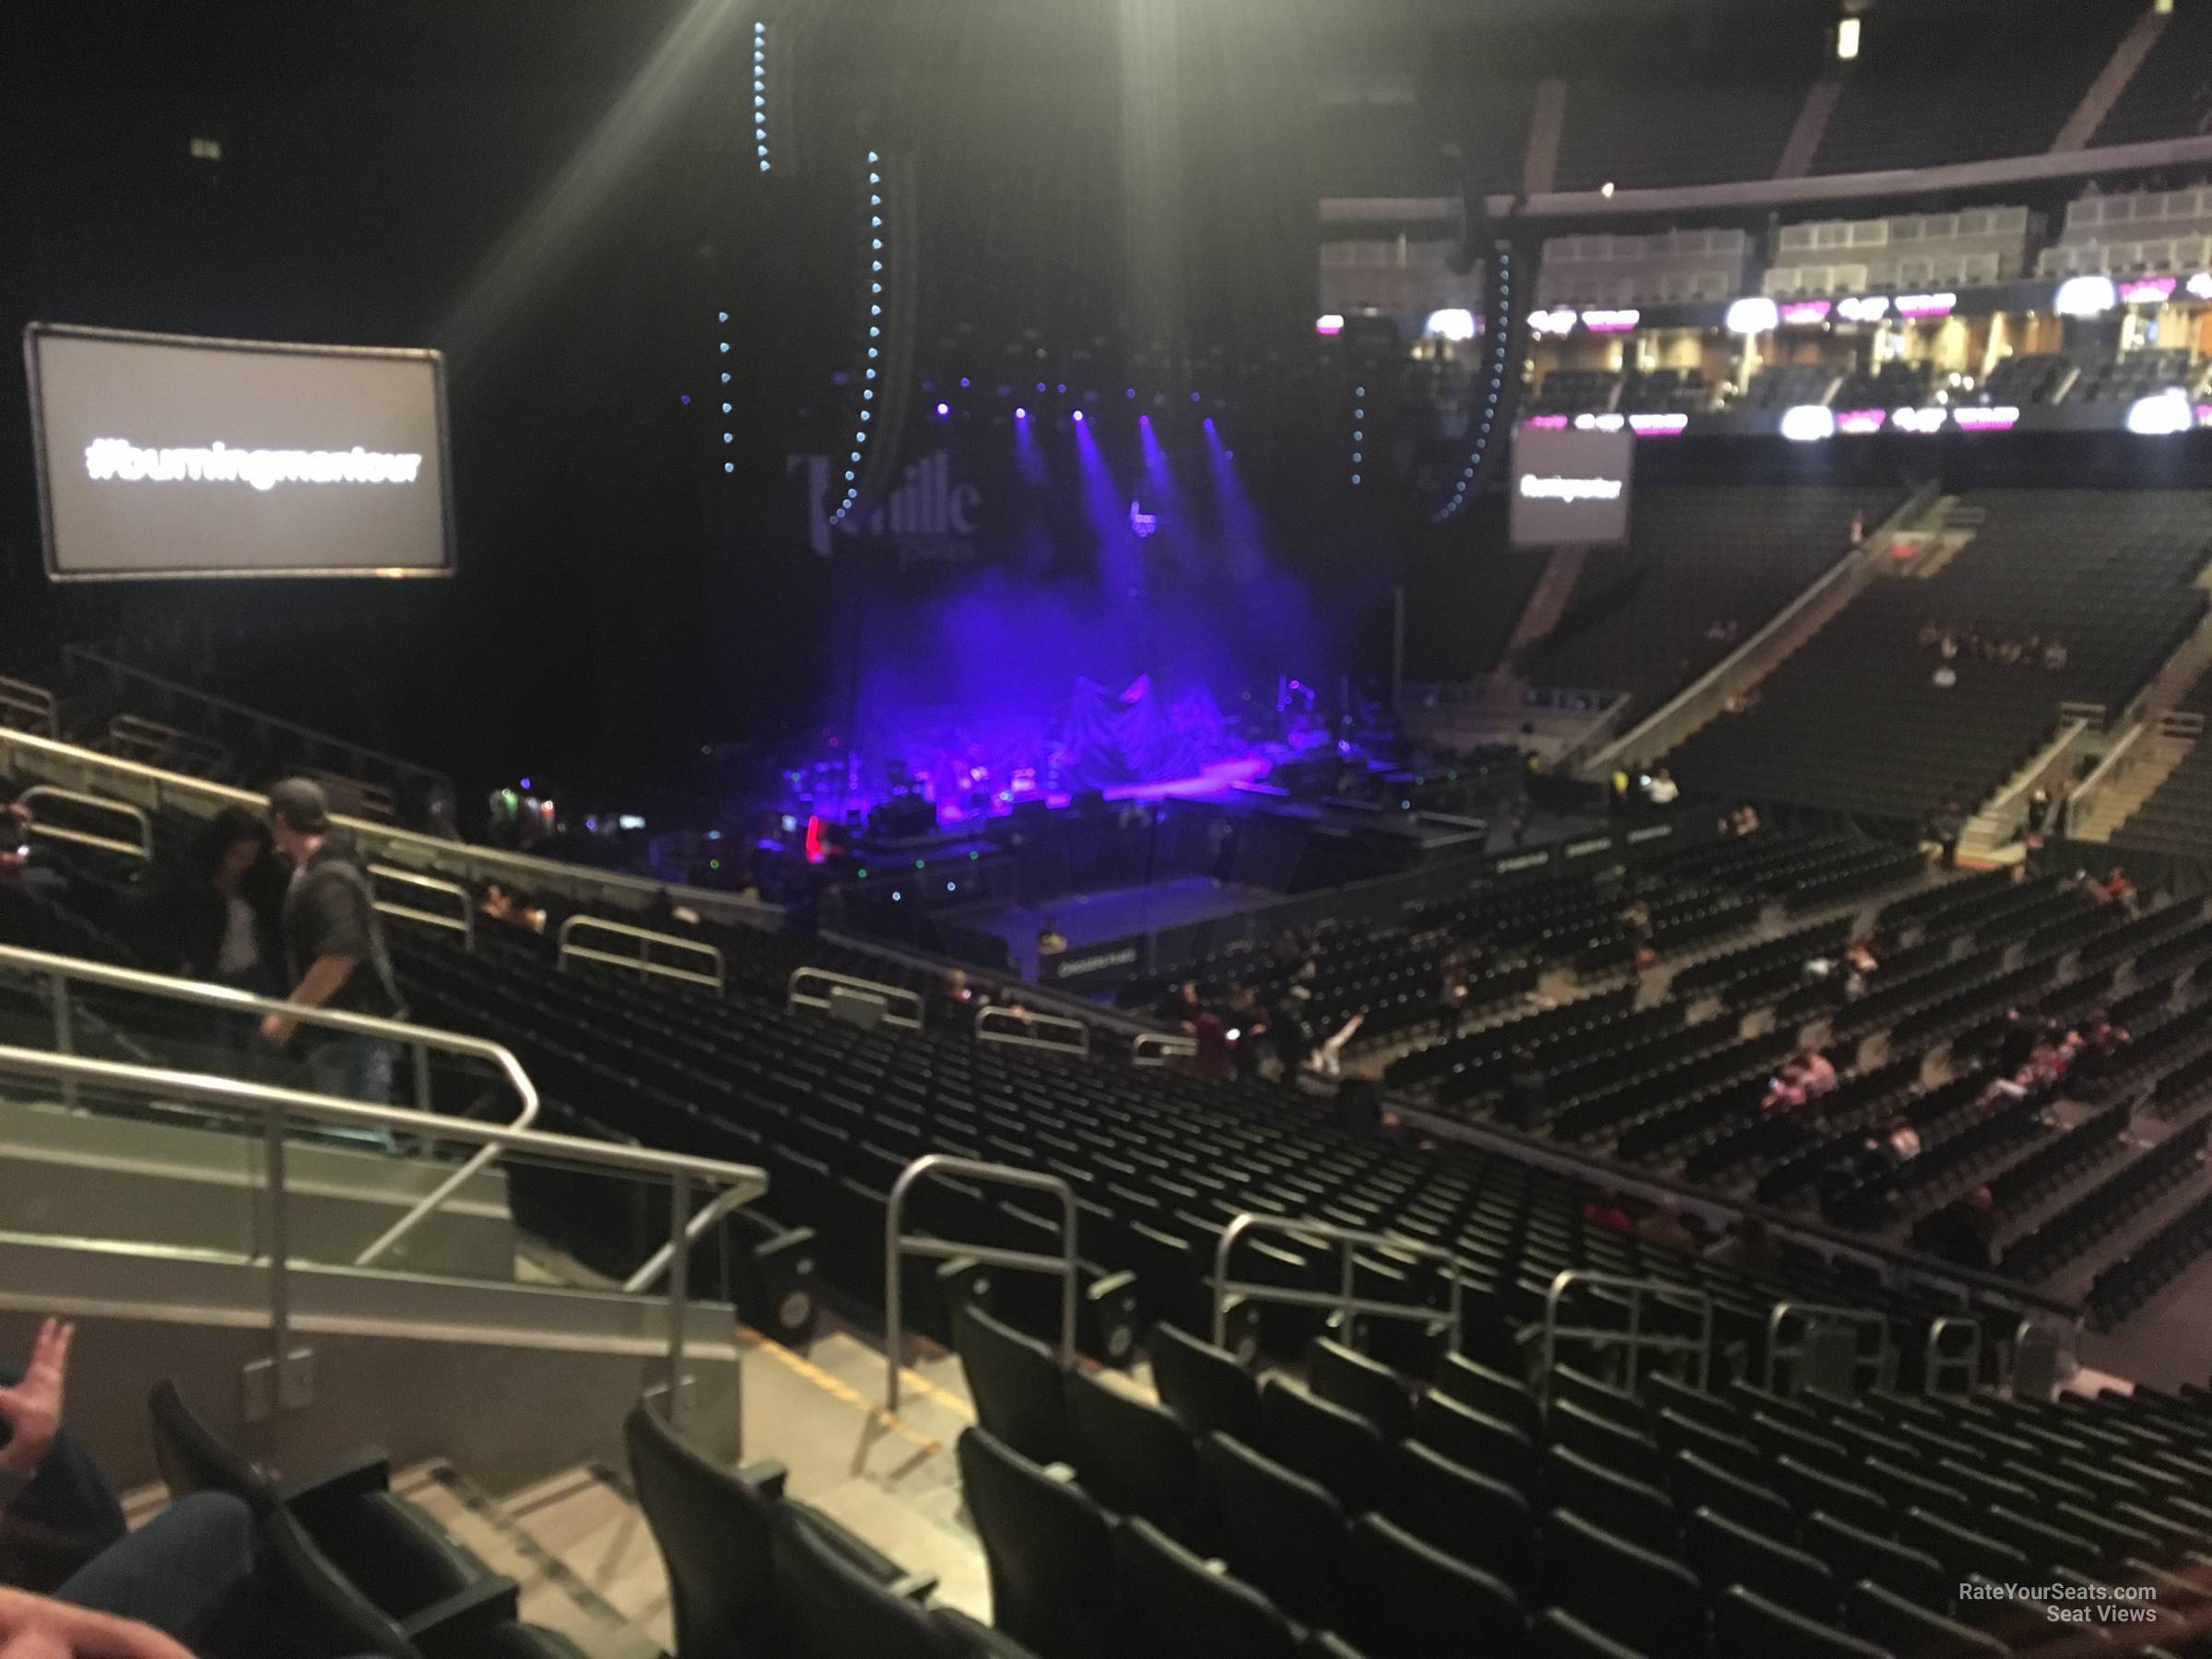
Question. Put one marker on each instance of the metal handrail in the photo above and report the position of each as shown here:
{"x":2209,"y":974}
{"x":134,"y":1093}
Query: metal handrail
{"x":2115,"y":764}
{"x":740,"y":1182}
{"x":642,"y":962}
{"x":161,"y":740}
{"x":464,"y":920}
{"x":1935,"y":1366}
{"x":26,"y":752}
{"x":142,"y":849}
{"x":20,"y":697}
{"x":1161,"y":1048}
{"x":1026,"y":1026}
{"x":371,"y":800}
{"x":897,"y":1244}
{"x":117,"y":672}
{"x":1815,"y":1313}
{"x":1635,"y":1338}
{"x":1347,"y":1300}
{"x":60,"y":971}
{"x":886,"y":995}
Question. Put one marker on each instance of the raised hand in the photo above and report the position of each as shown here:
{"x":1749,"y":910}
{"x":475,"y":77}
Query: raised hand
{"x":32,"y":1409}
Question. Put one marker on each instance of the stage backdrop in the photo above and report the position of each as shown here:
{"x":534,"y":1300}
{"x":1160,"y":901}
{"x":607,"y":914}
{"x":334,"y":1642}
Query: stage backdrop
{"x":1074,"y":597}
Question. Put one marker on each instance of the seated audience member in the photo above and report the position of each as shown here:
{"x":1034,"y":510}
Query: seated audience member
{"x":1662,"y":791}
{"x":1785,"y":1091}
{"x":1968,"y":1229}
{"x":1610,"y":1211}
{"x":1903,"y":1140}
{"x":1050,"y":941}
{"x":1816,"y":1073}
{"x":1944,"y":676}
{"x":1327,"y":1059}
{"x":1664,"y":1227}
{"x":2055,"y":657}
{"x":2119,"y":889}
{"x":22,"y":863}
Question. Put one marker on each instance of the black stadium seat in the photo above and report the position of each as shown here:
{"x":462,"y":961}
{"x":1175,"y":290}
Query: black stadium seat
{"x":1629,"y":1593}
{"x":399,"y":1559}
{"x":1726,"y":1552}
{"x":1478,"y":1520}
{"x":1603,"y":1442}
{"x":1016,"y":1383}
{"x":1556,"y":1634}
{"x":1049,"y":1548}
{"x":1893,"y":1622}
{"x":1356,"y":1383}
{"x":1962,"y":1549}
{"x":1503,"y":1397}
{"x":833,"y":1608}
{"x":714,"y":1527}
{"x":1747,"y":1625}
{"x":1702,"y":1485}
{"x":1476,"y":1439}
{"x":1642,"y":1515}
{"x":1411,"y":1600}
{"x":1134,"y":1458}
{"x":1854,"y":1555}
{"x":1324,"y":1442}
{"x":1206,"y":1388}
{"x":1280,"y":1532}
{"x":1177,"y":1608}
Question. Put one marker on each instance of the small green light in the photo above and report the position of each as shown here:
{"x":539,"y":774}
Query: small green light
{"x":917,"y":864}
{"x":863,"y":875}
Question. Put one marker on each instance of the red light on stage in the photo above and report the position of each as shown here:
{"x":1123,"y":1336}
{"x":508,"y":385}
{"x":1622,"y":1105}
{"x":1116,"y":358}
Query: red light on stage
{"x":815,"y":851}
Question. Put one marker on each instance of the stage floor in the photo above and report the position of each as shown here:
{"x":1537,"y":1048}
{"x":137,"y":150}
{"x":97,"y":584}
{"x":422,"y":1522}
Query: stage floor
{"x":1092,"y":918}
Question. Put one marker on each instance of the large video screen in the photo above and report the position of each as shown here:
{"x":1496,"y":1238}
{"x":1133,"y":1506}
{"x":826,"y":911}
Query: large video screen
{"x":164,"y":455}
{"x":1570,"y":489}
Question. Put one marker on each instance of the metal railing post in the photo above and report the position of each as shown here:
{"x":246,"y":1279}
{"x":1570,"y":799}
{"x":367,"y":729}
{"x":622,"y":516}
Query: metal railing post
{"x":679,"y":1283}
{"x":889,"y":996}
{"x":1813,"y":1313}
{"x":1025,"y":1025}
{"x":64,"y":1032}
{"x":1635,"y":1338}
{"x":1935,"y":1366}
{"x":898,"y":1245}
{"x":280,"y":1289}
{"x":422,"y":1077}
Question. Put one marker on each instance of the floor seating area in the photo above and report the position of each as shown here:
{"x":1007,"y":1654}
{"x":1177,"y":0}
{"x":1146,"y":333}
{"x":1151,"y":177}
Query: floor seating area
{"x":1704,"y":569}
{"x":2107,"y":572}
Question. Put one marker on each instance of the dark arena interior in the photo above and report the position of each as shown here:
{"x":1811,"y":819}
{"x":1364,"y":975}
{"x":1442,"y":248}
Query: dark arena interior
{"x":1106,"y":829}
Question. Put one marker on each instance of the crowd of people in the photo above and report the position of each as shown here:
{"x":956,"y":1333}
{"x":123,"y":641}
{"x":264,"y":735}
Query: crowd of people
{"x":1953,"y":644}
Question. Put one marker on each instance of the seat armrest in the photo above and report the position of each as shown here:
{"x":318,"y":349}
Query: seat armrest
{"x":914,"y":1586}
{"x":452,"y":1626}
{"x":363,"y":1472}
{"x":767,"y":1477}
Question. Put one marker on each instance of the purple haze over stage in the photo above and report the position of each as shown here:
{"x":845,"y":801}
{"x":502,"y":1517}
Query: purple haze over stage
{"x":1120,"y":626}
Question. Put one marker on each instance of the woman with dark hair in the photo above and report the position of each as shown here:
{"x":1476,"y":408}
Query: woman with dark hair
{"x":220,"y":917}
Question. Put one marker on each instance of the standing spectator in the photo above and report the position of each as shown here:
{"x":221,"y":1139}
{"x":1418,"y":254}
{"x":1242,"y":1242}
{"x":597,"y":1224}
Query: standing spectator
{"x":335,"y":940}
{"x":1524,"y":1090}
{"x":1662,"y":791}
{"x":222,"y":922}
{"x":1050,"y":941}
{"x":1221,"y":838}
{"x":2039,"y":809}
{"x":23,"y":863}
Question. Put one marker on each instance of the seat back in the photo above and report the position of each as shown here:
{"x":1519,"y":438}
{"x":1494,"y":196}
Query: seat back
{"x":1962,"y":1550}
{"x":1809,"y":1488}
{"x":1280,"y":1532}
{"x":1676,"y":1433}
{"x":1644,"y":1514}
{"x":1351,"y":1380}
{"x":713,"y":1527}
{"x":1557,"y":1634}
{"x":1853,"y":1554}
{"x":1606,"y":1443}
{"x":1016,"y":1383}
{"x":1881,"y":1615}
{"x":1411,"y":1598}
{"x":1745,"y":1625}
{"x":1631,"y":1593}
{"x":1324,"y":1442}
{"x":194,"y":1458}
{"x":1699,"y":1484}
{"x":1468,"y":1516}
{"x":1205,"y":1387}
{"x":1174,"y":1604}
{"x":831,"y":1608}
{"x":1048,"y":1547}
{"x":1598,"y":1398}
{"x":1135,"y":1457}
{"x":1504,"y":1397}
{"x":1475,"y":1439}
{"x":1726,"y":1552}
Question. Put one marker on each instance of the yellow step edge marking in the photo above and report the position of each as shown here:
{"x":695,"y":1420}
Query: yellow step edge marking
{"x":839,"y":1390}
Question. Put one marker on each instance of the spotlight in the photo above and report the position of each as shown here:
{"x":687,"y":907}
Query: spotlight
{"x":1079,"y":416}
{"x":1021,"y":414}
{"x":943,"y":410}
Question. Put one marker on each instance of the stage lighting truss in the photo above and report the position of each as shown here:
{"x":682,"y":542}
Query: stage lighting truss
{"x":1491,"y":403}
{"x":868,"y":428}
